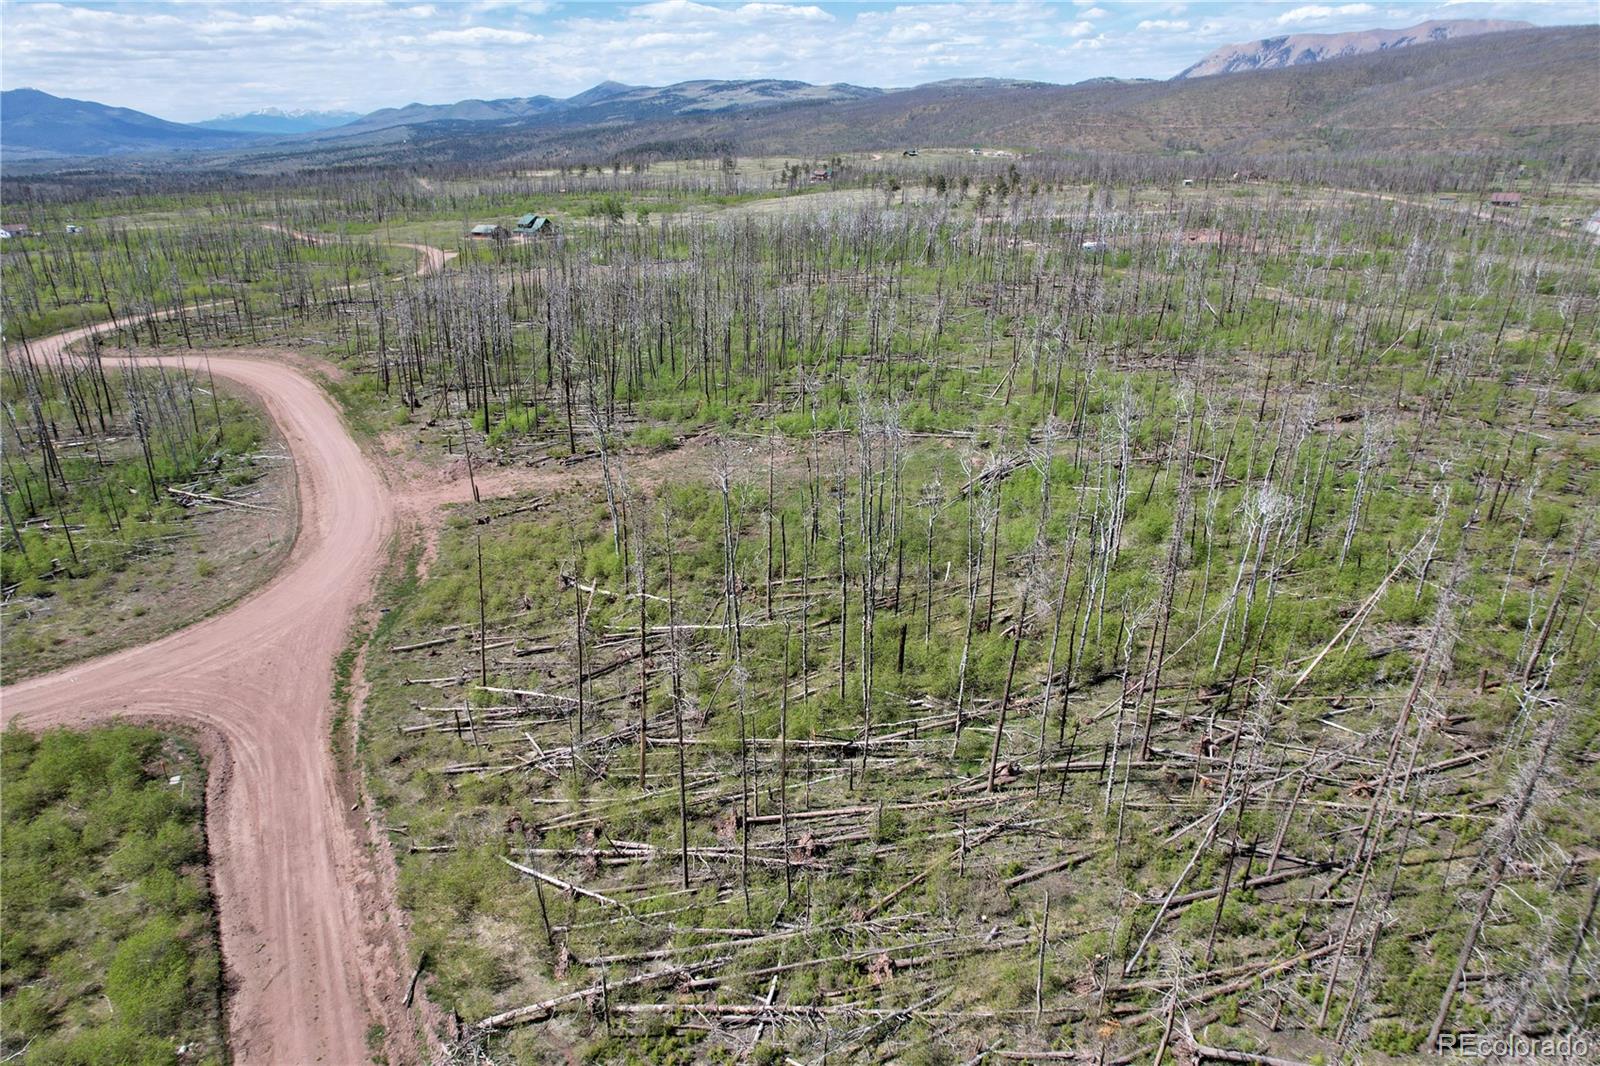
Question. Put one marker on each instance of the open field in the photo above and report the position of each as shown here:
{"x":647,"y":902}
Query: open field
{"x":874,"y":624}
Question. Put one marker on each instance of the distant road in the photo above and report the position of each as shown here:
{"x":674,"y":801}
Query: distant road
{"x":431,"y":259}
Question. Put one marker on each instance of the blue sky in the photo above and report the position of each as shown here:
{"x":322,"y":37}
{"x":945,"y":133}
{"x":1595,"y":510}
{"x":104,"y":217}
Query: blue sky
{"x":191,"y":61}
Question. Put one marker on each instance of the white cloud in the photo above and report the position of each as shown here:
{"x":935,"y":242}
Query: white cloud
{"x":481,"y":35}
{"x":807,"y":13}
{"x":1321,"y":12}
{"x":1164,"y":25}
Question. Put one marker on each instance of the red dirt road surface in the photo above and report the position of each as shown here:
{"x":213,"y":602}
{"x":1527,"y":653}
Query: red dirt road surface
{"x":307,"y":943}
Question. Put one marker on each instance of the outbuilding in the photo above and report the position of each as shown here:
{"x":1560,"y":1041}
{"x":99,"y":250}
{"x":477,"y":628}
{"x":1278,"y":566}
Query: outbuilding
{"x":1505,"y":199}
{"x":537,"y":225}
{"x":489,"y":231}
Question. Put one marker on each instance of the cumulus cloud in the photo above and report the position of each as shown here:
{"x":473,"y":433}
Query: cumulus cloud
{"x":1321,"y":13}
{"x":481,"y":35}
{"x":1169,"y":25}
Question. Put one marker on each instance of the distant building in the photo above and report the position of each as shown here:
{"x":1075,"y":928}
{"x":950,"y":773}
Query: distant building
{"x":535,"y":225}
{"x":1095,"y":246}
{"x":489,"y":231}
{"x":16,"y":229}
{"x":73,"y":227}
{"x":1505,"y":199}
{"x":1188,"y":183}
{"x":822,"y":174}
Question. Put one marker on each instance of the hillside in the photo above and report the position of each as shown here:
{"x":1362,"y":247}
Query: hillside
{"x":1513,"y":91}
{"x":38,"y":124}
{"x":1271,"y":53}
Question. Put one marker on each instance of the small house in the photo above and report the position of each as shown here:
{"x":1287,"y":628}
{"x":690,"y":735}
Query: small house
{"x":535,"y":225}
{"x":17,"y":229}
{"x":1505,"y":199}
{"x":489,"y":231}
{"x":1188,"y":183}
{"x":822,"y":174}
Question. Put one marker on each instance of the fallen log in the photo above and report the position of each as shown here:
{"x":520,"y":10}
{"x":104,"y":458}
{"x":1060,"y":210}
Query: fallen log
{"x":218,"y":499}
{"x":565,"y":886}
{"x":1203,"y":1052}
{"x":535,"y":1012}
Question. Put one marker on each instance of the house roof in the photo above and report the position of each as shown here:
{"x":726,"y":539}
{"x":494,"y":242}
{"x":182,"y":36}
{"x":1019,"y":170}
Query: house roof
{"x":1505,"y":197}
{"x":532,"y":221}
{"x":487,"y":227}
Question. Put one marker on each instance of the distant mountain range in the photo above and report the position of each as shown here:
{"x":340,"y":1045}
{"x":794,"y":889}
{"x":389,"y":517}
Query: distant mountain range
{"x":35,"y":123}
{"x":613,"y":102}
{"x":277,"y":120}
{"x":1271,"y":53}
{"x":1517,"y":89}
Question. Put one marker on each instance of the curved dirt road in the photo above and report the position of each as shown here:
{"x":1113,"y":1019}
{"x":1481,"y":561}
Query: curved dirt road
{"x":289,"y":869}
{"x":430,"y":260}
{"x":309,"y":949}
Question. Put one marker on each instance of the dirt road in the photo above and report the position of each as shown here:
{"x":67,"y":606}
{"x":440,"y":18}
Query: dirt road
{"x":430,"y":260}
{"x":291,"y":876}
{"x":310,"y":948}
